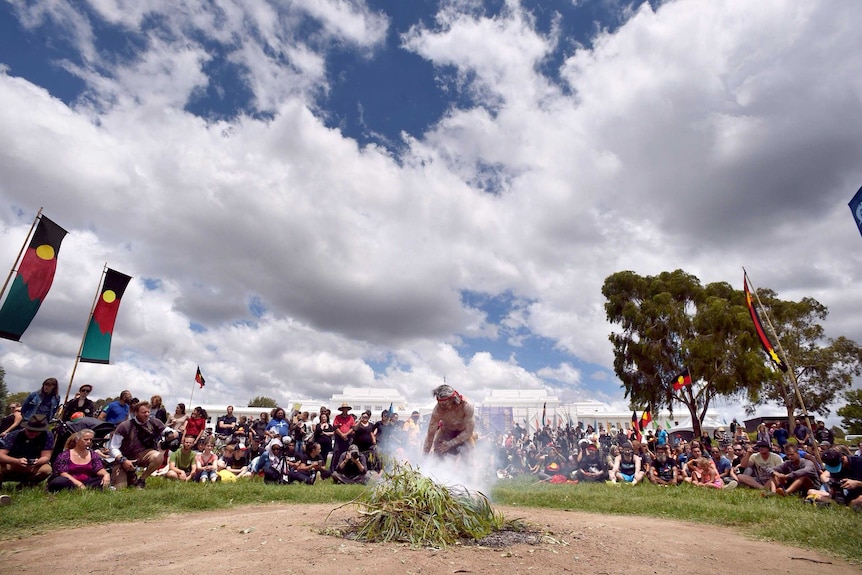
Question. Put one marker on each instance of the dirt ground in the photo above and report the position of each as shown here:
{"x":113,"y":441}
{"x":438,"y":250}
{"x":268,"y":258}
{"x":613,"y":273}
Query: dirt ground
{"x":286,"y":539}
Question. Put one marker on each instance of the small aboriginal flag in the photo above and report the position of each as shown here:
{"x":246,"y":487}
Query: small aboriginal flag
{"x":97,"y":341}
{"x":636,"y":425}
{"x":34,"y":279}
{"x":682,"y":380}
{"x":200,"y":378}
{"x":646,"y":418}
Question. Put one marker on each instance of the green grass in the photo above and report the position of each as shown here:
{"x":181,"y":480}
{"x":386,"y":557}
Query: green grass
{"x":834,"y":530}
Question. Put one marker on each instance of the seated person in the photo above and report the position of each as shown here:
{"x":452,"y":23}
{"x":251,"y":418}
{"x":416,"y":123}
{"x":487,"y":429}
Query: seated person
{"x":591,"y":466}
{"x":182,"y":464}
{"x":308,"y":466}
{"x":703,"y":473}
{"x":352,"y":467}
{"x":273,"y":463}
{"x":723,"y":465}
{"x":206,"y":462}
{"x":235,"y":460}
{"x":25,"y":454}
{"x":758,"y":467}
{"x":795,"y":475}
{"x":552,"y":464}
{"x":78,"y":466}
{"x":137,"y":443}
{"x":842,"y":477}
{"x":627,"y":466}
{"x":665,"y":469}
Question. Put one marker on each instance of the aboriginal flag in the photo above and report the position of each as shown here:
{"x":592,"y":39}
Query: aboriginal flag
{"x":636,"y":425}
{"x":97,"y":341}
{"x":31,"y":285}
{"x":758,"y":327}
{"x":200,"y":378}
{"x":646,"y":418}
{"x":682,"y":380}
{"x":544,"y":413}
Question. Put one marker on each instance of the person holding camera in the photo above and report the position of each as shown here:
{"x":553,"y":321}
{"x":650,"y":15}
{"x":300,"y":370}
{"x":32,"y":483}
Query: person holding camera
{"x":352,"y":467}
{"x":25,"y":453}
{"x":138,"y":442}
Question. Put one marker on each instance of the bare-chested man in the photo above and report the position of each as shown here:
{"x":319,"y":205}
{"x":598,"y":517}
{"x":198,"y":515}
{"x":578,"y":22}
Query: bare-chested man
{"x":451,"y":426}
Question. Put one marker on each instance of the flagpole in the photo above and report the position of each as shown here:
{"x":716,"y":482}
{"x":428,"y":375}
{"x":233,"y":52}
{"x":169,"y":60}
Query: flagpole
{"x":86,"y":328}
{"x":18,"y":259}
{"x":790,"y":370}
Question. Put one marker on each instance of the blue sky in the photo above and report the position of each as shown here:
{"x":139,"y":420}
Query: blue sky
{"x":320,"y":194}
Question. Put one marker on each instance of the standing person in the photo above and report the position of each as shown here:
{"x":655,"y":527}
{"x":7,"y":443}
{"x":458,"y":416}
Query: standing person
{"x":178,"y":420}
{"x":323,"y":433}
{"x":258,"y":427}
{"x":781,"y":435}
{"x":136,"y":442}
{"x":12,"y":420}
{"x":43,"y":401}
{"x":158,"y":410}
{"x":661,"y":437}
{"x":801,"y":433}
{"x":80,"y":404}
{"x":410,"y":433}
{"x":78,"y":466}
{"x":226,"y":424}
{"x":25,"y":454}
{"x":117,"y":411}
{"x":451,"y":426}
{"x":365,"y":438}
{"x":343,"y":425}
{"x":763,"y":434}
{"x":278,"y":426}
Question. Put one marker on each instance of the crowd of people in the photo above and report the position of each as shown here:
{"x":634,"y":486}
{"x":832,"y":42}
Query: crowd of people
{"x":145,"y":440}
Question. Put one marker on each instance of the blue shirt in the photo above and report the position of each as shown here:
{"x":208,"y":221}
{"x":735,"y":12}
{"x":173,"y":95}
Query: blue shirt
{"x":36,"y":404}
{"x":282,"y":426}
{"x":115,"y":412}
{"x":661,"y":437}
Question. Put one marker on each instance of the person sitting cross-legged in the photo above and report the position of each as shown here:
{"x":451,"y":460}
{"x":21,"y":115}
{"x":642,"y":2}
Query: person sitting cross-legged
{"x":182,"y":464}
{"x":78,"y":466}
{"x":665,"y":469}
{"x":310,"y":466}
{"x":591,"y":465}
{"x":758,"y":466}
{"x":206,"y":462}
{"x":234,"y":460}
{"x":627,"y":466}
{"x":351,"y":467}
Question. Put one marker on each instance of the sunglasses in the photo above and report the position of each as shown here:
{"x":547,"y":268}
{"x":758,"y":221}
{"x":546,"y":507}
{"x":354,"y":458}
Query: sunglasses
{"x":86,"y":390}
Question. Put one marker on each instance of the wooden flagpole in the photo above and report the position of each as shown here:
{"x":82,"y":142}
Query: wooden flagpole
{"x":17,"y":261}
{"x":790,"y":370}
{"x":86,"y":328}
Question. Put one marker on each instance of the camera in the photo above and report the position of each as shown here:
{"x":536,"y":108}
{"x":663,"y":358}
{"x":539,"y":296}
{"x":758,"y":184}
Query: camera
{"x":31,"y":462}
{"x":355,"y":455}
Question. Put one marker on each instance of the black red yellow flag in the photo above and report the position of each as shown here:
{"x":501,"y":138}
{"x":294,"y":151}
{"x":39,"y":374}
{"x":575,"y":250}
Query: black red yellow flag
{"x":200,"y":378}
{"x":636,"y":426}
{"x":646,"y":418}
{"x":682,"y":380}
{"x":97,"y":341}
{"x":758,"y":327}
{"x":34,"y":279}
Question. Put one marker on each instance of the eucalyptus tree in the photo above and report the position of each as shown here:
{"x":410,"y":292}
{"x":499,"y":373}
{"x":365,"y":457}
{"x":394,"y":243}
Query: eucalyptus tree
{"x":671,"y":322}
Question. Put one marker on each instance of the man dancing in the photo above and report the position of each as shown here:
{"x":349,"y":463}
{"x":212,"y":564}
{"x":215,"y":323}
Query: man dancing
{"x":450,"y":430}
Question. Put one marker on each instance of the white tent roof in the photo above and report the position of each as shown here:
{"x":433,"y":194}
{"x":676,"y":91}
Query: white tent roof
{"x":709,"y":425}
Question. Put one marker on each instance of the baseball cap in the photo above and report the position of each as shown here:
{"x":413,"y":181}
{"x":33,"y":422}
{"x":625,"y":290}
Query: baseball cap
{"x":832,"y":461}
{"x":761,"y":445}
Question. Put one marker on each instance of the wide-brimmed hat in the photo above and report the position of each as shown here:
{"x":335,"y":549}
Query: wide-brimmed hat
{"x":36,"y":423}
{"x":345,"y":406}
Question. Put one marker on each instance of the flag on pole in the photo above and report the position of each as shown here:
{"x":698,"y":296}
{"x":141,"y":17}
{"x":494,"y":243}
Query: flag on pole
{"x":856,"y":208}
{"x":97,"y":341}
{"x":34,"y":279}
{"x":391,"y":409}
{"x":646,"y":418}
{"x":544,"y":416}
{"x":682,"y":380}
{"x":758,"y":327}
{"x":199,"y":378}
{"x":636,"y":425}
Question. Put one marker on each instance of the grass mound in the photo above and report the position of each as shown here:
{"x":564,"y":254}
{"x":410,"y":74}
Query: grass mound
{"x":408,"y":507}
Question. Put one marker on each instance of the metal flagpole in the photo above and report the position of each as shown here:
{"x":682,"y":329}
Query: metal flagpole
{"x":790,"y":370}
{"x":18,"y":259}
{"x":86,"y":328}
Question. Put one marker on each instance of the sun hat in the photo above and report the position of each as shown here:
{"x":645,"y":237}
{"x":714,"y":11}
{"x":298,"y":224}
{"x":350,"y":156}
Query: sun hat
{"x":36,"y":423}
{"x":345,"y":406}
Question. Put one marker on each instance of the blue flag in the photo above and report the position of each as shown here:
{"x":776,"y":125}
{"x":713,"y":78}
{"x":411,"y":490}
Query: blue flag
{"x":391,"y":411}
{"x":856,"y":207}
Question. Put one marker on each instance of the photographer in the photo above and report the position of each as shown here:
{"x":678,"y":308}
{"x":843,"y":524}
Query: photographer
{"x":352,"y":467}
{"x":139,"y":442}
{"x":25,"y":453}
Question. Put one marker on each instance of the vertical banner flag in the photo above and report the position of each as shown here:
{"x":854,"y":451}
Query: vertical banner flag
{"x":544,"y":410}
{"x":646,"y":418}
{"x":34,"y":278}
{"x":682,"y":380}
{"x":200,"y":378}
{"x":636,"y":425}
{"x":97,"y":341}
{"x":856,"y":207}
{"x":758,"y":327}
{"x":391,"y":409}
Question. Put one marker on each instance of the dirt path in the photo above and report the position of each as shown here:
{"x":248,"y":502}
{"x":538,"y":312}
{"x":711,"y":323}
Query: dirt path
{"x":284,"y":539}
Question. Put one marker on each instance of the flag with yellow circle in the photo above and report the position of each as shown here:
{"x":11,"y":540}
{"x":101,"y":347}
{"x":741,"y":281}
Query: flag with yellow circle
{"x":97,"y":341}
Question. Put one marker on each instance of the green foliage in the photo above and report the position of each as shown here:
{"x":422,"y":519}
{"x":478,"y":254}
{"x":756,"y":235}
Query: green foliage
{"x":262,"y":401}
{"x":412,"y":508}
{"x":824,"y":367}
{"x":669,"y":322}
{"x":17,"y":397}
{"x":851,"y":413}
